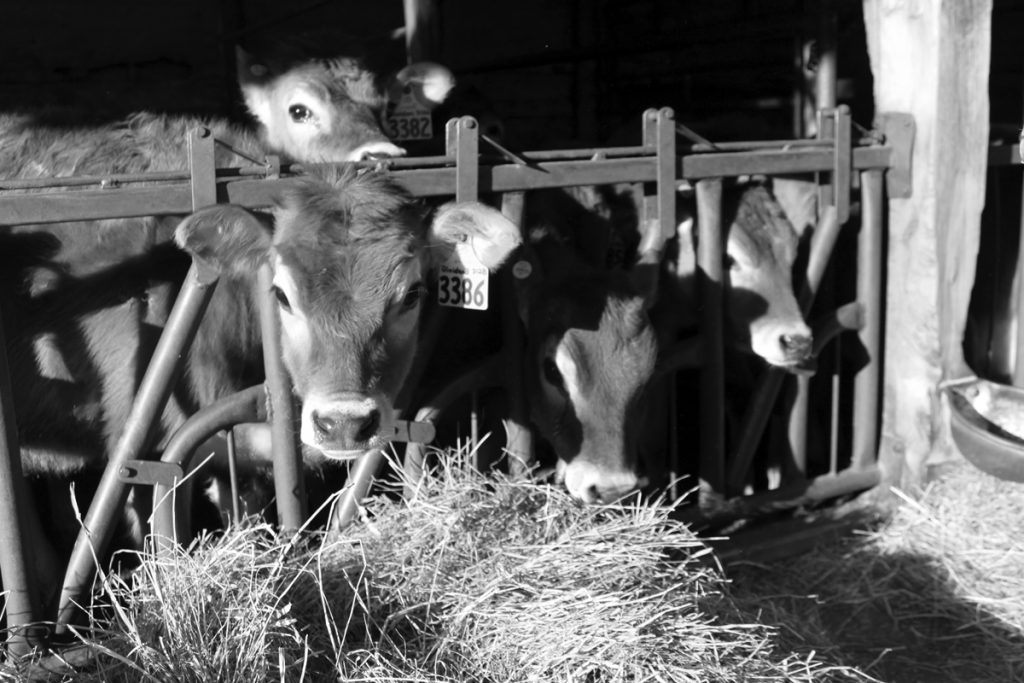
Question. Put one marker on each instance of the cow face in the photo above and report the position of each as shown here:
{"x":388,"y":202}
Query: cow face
{"x":591,"y":354}
{"x":760,"y":246}
{"x":350,"y":259}
{"x":325,"y":110}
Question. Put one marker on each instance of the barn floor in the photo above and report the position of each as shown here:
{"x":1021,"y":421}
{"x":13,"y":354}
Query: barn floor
{"x":934,"y":593}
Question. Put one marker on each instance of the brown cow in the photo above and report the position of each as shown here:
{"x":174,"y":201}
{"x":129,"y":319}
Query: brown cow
{"x":762,"y":314}
{"x":351,"y":258}
{"x":592,"y":345}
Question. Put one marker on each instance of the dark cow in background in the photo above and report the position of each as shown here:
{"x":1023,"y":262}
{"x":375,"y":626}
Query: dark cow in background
{"x":761,"y":310}
{"x":598,"y":299}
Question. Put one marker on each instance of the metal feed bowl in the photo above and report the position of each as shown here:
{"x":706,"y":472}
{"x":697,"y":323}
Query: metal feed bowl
{"x":985,"y":445}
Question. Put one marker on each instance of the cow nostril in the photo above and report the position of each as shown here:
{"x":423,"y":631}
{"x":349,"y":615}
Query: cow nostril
{"x":324,"y":424}
{"x":369,"y":427}
{"x":796,"y":344}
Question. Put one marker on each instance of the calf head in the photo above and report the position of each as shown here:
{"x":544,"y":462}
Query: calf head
{"x":761,"y":309}
{"x":591,"y":353}
{"x":329,"y":110}
{"x":350,"y":257}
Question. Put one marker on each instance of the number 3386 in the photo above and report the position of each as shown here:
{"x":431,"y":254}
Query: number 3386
{"x":453,"y":290}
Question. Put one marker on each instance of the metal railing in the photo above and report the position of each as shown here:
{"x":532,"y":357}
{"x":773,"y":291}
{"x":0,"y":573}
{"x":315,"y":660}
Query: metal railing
{"x":655,"y":167}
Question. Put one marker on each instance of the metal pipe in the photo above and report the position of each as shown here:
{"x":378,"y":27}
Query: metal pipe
{"x":356,"y":488}
{"x":152,"y":395}
{"x":519,"y":438}
{"x":249,"y":405}
{"x":236,"y":512}
{"x":289,"y":485}
{"x":712,"y":376}
{"x":787,"y":497}
{"x":490,"y":372}
{"x":870,"y":292}
{"x":18,"y":581}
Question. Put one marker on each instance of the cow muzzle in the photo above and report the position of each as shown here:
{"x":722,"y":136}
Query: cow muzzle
{"x":590,"y":483}
{"x":343,"y":427}
{"x":784,"y":345}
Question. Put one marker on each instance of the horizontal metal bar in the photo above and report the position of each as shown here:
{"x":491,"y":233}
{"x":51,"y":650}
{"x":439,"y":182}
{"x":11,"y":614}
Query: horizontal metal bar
{"x":725,"y":164}
{"x":788,"y":497}
{"x":127,"y":202}
{"x":1004,"y":155}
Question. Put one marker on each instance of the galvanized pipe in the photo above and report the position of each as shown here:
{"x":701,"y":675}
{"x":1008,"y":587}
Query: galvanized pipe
{"x":489,"y":372}
{"x":248,"y":405}
{"x":17,"y":576}
{"x":712,"y":377}
{"x":289,"y":485}
{"x":870,"y":259}
{"x":519,"y":438}
{"x":152,"y":395}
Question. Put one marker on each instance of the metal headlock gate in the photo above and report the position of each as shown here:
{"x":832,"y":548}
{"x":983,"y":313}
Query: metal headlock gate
{"x":463,"y":172}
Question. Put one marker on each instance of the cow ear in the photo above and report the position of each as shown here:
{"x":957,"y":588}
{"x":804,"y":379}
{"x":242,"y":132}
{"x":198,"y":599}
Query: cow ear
{"x":474,"y":232}
{"x":228,"y":237}
{"x":427,"y":82}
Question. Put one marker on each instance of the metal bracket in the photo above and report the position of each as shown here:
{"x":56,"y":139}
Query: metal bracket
{"x":836,"y":125}
{"x":899,"y":129}
{"x":150,"y":472}
{"x":409,"y":431}
{"x":272,"y":167}
{"x":463,"y":143}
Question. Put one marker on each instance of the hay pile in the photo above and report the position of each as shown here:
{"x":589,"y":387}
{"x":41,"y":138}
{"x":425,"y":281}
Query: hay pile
{"x":935,"y":593}
{"x":476,"y":579}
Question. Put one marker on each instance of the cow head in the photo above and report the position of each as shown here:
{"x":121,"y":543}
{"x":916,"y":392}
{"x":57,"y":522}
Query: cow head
{"x":591,"y":353}
{"x":761,"y":309}
{"x":328,"y":110}
{"x":350,"y":257}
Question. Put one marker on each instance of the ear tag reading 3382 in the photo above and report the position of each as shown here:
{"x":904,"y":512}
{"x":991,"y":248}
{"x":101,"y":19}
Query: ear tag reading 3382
{"x":462,"y":280}
{"x":410,"y":119}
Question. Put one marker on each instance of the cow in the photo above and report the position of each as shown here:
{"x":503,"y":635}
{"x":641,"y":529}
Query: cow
{"x":351,"y":256}
{"x":310,"y":112}
{"x":595,"y":322}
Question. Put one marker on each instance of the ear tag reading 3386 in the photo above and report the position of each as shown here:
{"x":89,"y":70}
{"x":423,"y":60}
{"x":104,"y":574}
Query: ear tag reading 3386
{"x":410,"y":118}
{"x":462,"y":280}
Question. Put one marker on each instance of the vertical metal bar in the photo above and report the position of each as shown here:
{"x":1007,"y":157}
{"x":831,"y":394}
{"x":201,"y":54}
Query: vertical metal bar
{"x":712,"y":376}
{"x":236,"y":513}
{"x":798,"y":419}
{"x":289,"y":486}
{"x":870,"y":259}
{"x":149,"y":402}
{"x":154,"y":390}
{"x":17,"y":577}
{"x":474,"y":429}
{"x":519,"y":438}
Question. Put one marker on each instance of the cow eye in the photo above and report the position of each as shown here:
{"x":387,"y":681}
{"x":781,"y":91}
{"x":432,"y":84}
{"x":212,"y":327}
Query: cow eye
{"x":413,"y":296}
{"x":300,"y":113}
{"x":728,"y":262}
{"x":282,"y":298}
{"x":552,"y":375}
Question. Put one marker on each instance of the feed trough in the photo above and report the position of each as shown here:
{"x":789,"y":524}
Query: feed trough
{"x":987,"y":421}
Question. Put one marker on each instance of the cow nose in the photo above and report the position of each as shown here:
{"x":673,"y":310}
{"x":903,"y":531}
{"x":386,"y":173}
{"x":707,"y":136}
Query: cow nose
{"x":376,"y":150}
{"x":347,"y":429}
{"x":591,"y":484}
{"x":797,"y":347}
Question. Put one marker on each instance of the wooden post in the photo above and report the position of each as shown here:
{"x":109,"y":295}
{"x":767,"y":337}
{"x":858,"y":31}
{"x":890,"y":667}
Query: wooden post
{"x":930,"y":58}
